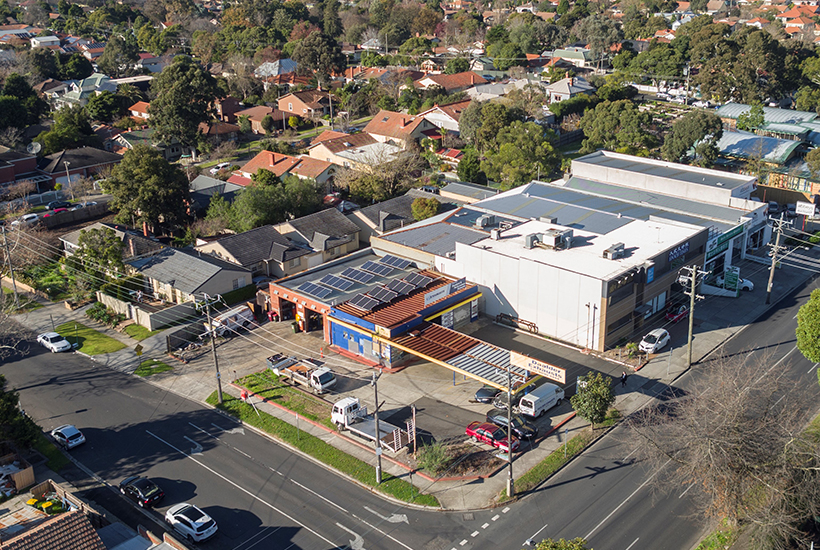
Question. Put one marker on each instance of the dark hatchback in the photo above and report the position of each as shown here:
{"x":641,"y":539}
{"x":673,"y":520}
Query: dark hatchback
{"x":141,"y":490}
{"x":520,"y":427}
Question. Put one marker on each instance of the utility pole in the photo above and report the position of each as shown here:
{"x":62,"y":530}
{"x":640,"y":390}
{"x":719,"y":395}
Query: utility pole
{"x":779,"y":223}
{"x":510,"y":481}
{"x":693,"y":274}
{"x":212,"y":330}
{"x":11,"y":268}
{"x":375,"y":385}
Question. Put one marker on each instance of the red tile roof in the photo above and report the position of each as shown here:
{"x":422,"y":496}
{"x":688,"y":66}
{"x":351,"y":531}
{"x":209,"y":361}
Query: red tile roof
{"x":456,"y":81}
{"x":310,"y":167}
{"x":277,"y":163}
{"x":140,"y":107}
{"x":392,"y":124}
{"x":326,"y":135}
{"x":314,"y":99}
{"x":218,"y":128}
{"x":454,"y":110}
{"x":343,"y":143}
{"x":68,"y":531}
{"x":240,"y":180}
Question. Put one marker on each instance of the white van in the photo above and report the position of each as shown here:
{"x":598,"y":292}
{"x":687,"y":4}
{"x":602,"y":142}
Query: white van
{"x":231,"y":320}
{"x":541,"y":399}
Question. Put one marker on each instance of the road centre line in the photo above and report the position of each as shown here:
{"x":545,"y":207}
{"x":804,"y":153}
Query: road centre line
{"x":778,"y":401}
{"x":462,"y":543}
{"x":633,"y":543}
{"x":266,"y":531}
{"x":250,"y":494}
{"x":532,"y":538}
{"x":641,"y":486}
{"x":687,"y":490}
{"x":814,"y":367}
{"x":485,"y":525}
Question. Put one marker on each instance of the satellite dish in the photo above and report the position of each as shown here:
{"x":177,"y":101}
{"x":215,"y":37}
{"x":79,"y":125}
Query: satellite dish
{"x":34,"y":147}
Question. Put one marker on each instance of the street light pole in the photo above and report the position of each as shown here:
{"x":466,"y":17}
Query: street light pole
{"x":68,"y":179}
{"x":375,"y":385}
{"x":510,"y":481}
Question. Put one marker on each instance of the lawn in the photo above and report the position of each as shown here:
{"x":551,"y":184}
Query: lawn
{"x":139,"y":332}
{"x":268,"y":385}
{"x":56,"y":460}
{"x":91,"y":342}
{"x":152,"y":366}
{"x":324,"y":452}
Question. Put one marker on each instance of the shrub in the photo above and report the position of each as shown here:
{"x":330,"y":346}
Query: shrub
{"x":103,"y":315}
{"x":433,"y":458}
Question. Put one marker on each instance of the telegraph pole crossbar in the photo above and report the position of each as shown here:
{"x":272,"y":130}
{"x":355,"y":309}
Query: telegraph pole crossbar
{"x":212,"y":332}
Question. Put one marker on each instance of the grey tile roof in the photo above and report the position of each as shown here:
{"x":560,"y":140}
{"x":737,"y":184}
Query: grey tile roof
{"x":134,"y":243}
{"x":203,"y":188}
{"x":326,"y":229}
{"x":187,"y":270}
{"x":435,"y":238}
{"x":262,"y":243}
{"x":77,"y":158}
{"x":399,"y":209}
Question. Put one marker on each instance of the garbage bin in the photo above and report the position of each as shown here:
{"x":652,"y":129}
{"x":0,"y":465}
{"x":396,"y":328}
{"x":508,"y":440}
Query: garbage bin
{"x":295,"y":326}
{"x":270,"y":316}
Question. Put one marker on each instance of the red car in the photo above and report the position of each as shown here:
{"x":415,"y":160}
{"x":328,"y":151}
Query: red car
{"x":677,"y":313}
{"x":55,"y":211}
{"x":490,"y":434}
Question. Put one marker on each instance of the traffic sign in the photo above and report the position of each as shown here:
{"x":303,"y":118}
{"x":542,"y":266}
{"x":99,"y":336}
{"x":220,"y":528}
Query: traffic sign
{"x":138,"y":349}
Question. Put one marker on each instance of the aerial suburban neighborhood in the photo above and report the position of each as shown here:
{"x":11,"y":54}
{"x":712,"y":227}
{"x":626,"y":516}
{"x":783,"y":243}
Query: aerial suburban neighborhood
{"x":420,"y":275}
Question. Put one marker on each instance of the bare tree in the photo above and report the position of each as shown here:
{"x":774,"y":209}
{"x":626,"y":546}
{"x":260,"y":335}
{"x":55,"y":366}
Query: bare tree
{"x":18,"y":190}
{"x":740,"y":437}
{"x":11,"y":137}
{"x":14,"y":338}
{"x":28,"y":245}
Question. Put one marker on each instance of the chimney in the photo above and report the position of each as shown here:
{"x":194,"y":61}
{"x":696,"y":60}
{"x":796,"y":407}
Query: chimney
{"x":472,"y":78}
{"x":382,"y":219}
{"x":145,"y":228}
{"x":133,"y":248}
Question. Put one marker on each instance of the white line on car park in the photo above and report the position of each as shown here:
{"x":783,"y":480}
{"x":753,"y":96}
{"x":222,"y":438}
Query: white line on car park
{"x":474,"y":534}
{"x":814,"y":367}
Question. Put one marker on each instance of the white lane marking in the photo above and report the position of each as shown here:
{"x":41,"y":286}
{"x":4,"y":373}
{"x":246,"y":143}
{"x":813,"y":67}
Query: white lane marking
{"x":687,"y":490}
{"x":358,"y":542}
{"x":266,"y":531}
{"x":253,"y":496}
{"x":474,"y":534}
{"x":495,"y":517}
{"x":814,"y":367}
{"x":633,"y":543}
{"x":393,"y":518}
{"x":630,"y":454}
{"x":505,"y":510}
{"x":485,"y":525}
{"x":244,"y":453}
{"x":778,"y":401}
{"x":462,"y":543}
{"x":206,"y":432}
{"x":197,"y":449}
{"x":238,"y":430}
{"x":641,"y":486}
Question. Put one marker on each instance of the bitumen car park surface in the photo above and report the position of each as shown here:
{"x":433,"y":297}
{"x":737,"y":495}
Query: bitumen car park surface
{"x":444,"y":401}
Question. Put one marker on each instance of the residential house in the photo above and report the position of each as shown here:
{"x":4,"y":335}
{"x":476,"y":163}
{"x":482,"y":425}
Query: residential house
{"x":356,"y":151}
{"x":579,"y":57}
{"x":6,"y":30}
{"x":450,"y":156}
{"x":371,"y":45}
{"x":567,"y":88}
{"x":140,"y":110}
{"x":216,"y":132}
{"x":135,"y":244}
{"x":480,"y":64}
{"x":17,"y":167}
{"x":305,"y":104}
{"x":327,"y":135}
{"x":76,"y":164}
{"x":78,"y":92}
{"x":327,"y":231}
{"x":45,"y":42}
{"x":391,"y":214}
{"x":398,"y":128}
{"x":446,"y":116}
{"x":256,"y":114}
{"x":227,"y":107}
{"x":144,"y":135}
{"x":714,"y":6}
{"x":92,"y":51}
{"x":179,"y":275}
{"x":50,"y":88}
{"x":283,"y":165}
{"x":151,"y":62}
{"x":451,"y":83}
{"x":203,"y":188}
{"x":287,"y":81}
{"x":275,"y":68}
{"x":262,"y":251}
{"x":758,"y":22}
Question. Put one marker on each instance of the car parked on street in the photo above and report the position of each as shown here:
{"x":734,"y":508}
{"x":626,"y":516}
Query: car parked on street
{"x":141,"y":490}
{"x":520,"y":427}
{"x":82,"y":205}
{"x":191,"y":522}
{"x":58,"y":204}
{"x":54,"y":342}
{"x":742,"y":284}
{"x":486,"y":432}
{"x":68,"y":436}
{"x":486,"y":393}
{"x":677,"y":313}
{"x":654,"y":341}
{"x":26,"y":219}
{"x":55,"y":212}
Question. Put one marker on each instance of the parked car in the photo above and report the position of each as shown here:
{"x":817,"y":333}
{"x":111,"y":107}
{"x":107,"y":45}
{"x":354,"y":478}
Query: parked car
{"x":520,"y":427}
{"x":81,"y":205}
{"x":791,"y":210}
{"x":485,"y":432}
{"x":742,"y":284}
{"x":54,"y":212}
{"x":53,"y":342}
{"x":191,"y":522}
{"x":654,"y":341}
{"x":774,"y":208}
{"x":141,"y":490}
{"x":500,"y":400}
{"x":26,"y":219}
{"x":262,"y":282}
{"x":58,"y":204}
{"x":677,"y":313}
{"x":221,"y":166}
{"x":486,"y":393}
{"x":68,"y":436}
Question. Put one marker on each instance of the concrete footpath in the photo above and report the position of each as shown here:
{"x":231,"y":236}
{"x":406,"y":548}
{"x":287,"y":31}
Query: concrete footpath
{"x":716,"y":320}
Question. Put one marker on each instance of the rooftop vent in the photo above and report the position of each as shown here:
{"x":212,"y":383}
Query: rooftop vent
{"x":532,"y":240}
{"x":614,"y":252}
{"x":557,"y":239}
{"x":549,"y":219}
{"x":485,"y":220}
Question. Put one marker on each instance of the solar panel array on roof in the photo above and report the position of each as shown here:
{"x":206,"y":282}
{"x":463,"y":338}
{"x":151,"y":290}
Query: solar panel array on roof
{"x":400,"y":287}
{"x":364,"y":302}
{"x":377,"y":269}
{"x":357,"y":275}
{"x":317,"y":290}
{"x":393,"y":261}
{"x":336,"y":282}
{"x":382,"y":294}
{"x":418,"y":280}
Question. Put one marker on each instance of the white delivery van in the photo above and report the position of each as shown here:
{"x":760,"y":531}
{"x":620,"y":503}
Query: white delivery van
{"x":541,"y":399}
{"x":231,"y":320}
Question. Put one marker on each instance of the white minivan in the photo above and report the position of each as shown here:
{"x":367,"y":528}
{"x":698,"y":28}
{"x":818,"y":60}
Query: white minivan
{"x":541,"y":399}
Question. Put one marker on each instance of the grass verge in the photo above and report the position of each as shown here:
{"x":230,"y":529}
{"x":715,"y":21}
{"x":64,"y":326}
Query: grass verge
{"x":26,"y":303}
{"x":151,"y":366}
{"x":269,"y":386}
{"x":563,"y":454}
{"x":324,"y":452}
{"x":55,"y":460}
{"x":722,"y":537}
{"x":139,"y":332}
{"x":91,"y":342}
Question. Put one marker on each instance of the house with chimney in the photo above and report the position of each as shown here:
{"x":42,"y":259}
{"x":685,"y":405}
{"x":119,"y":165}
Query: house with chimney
{"x":567,"y":88}
{"x":446,"y":116}
{"x":395,"y":213}
{"x":285,"y":165}
{"x":356,"y":151}
{"x":451,"y":83}
{"x":400,"y":129}
{"x":259,"y":112}
{"x":305,"y":104}
{"x":327,"y":232}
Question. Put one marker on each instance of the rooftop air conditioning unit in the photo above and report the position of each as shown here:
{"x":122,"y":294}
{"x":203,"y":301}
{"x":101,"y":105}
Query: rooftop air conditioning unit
{"x":531,"y":240}
{"x":558,"y":239}
{"x":614,"y":252}
{"x":549,"y":219}
{"x":485,"y":220}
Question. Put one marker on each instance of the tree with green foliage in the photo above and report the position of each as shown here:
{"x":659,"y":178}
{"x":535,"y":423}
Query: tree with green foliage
{"x":457,"y":65}
{"x":73,"y":67}
{"x":43,"y":63}
{"x":119,"y":56}
{"x":469,"y":168}
{"x":267,"y":123}
{"x":593,"y":398}
{"x":18,"y":87}
{"x":71,"y":129}
{"x":423,"y":208}
{"x":320,"y":55}
{"x":752,"y":119}
{"x":563,"y":7}
{"x":699,"y":129}
{"x":522,"y":151}
{"x":813,"y":161}
{"x":147,"y":188}
{"x":562,"y":544}
{"x":494,"y":117}
{"x":600,"y":32}
{"x":244,"y":123}
{"x":100,"y":253}
{"x":808,"y":328}
{"x":264,"y":177}
{"x":184,"y":93}
{"x":331,"y":23}
{"x":105,"y":106}
{"x":10,"y":109}
{"x":470,"y":121}
{"x":14,"y":425}
{"x":574,"y":105}
{"x":617,"y":126}
{"x":506,"y":55}
{"x":293,"y":122}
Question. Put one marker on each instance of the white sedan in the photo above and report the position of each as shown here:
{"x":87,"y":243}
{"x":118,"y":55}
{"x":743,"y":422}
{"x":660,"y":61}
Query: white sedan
{"x":53,"y":342}
{"x":654,"y":341}
{"x":742,"y":284}
{"x":191,"y":522}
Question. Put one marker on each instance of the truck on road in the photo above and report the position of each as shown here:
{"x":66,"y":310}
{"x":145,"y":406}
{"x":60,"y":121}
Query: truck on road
{"x":304,"y":372}
{"x":349,"y":414}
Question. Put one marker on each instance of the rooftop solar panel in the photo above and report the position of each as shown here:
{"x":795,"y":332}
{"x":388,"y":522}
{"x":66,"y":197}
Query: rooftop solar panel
{"x":393,"y":261}
{"x":377,"y":269}
{"x":336,"y":282}
{"x":316,"y":290}
{"x":400,"y":287}
{"x":382,"y":294}
{"x":418,"y":280}
{"x":364,"y":302}
{"x":357,"y":275}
